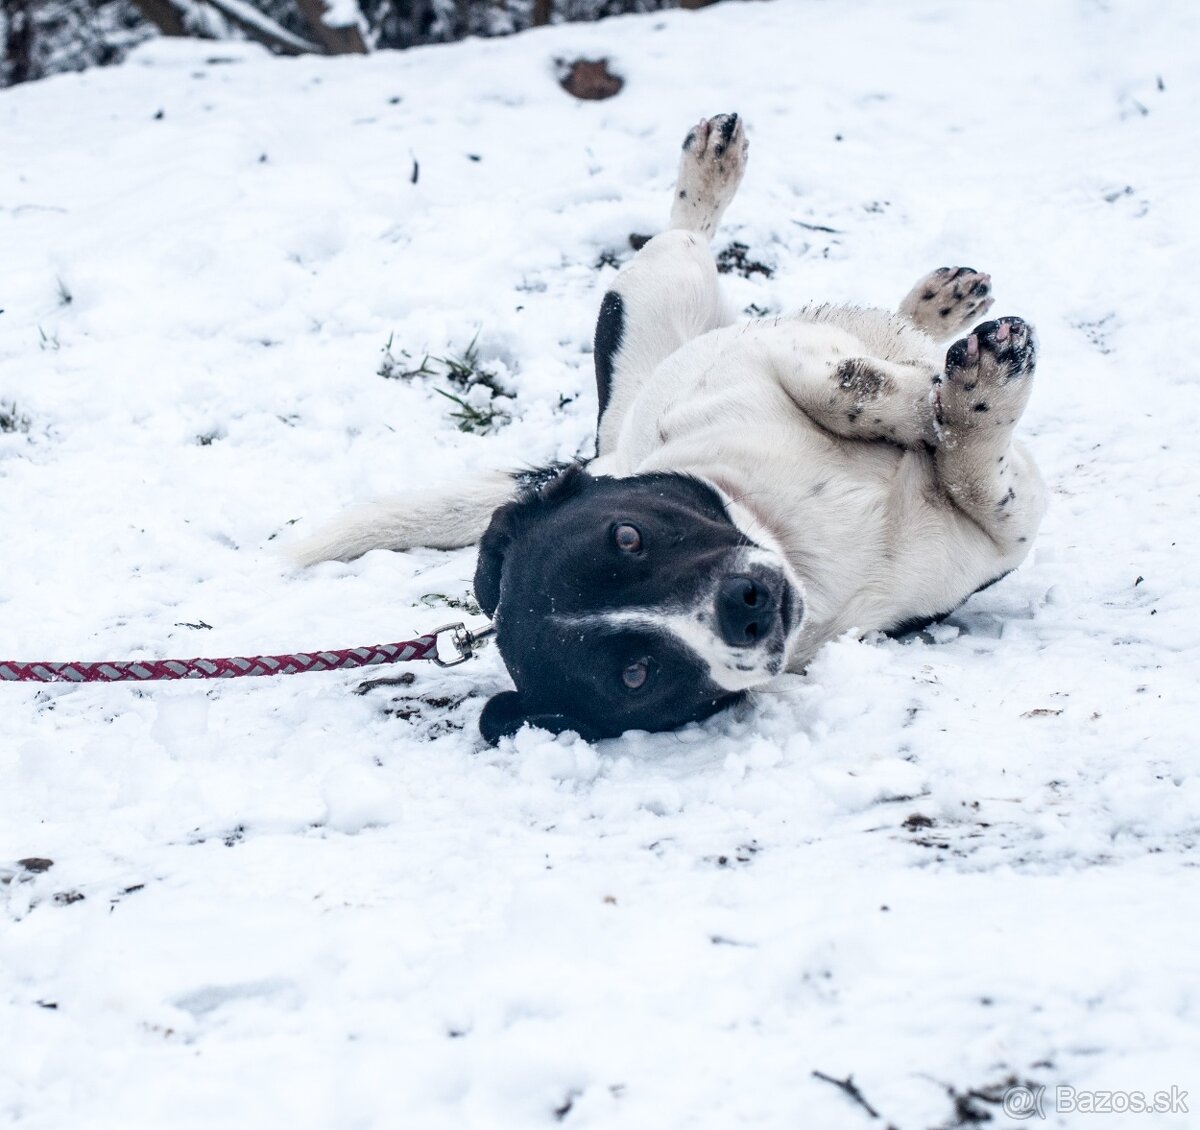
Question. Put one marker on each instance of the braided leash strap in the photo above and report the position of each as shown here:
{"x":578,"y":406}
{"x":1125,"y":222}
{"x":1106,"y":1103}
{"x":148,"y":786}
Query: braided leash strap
{"x":149,"y":670}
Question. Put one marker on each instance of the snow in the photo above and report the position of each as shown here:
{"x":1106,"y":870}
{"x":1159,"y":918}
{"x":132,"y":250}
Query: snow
{"x":343,"y":13}
{"x":932,"y":865}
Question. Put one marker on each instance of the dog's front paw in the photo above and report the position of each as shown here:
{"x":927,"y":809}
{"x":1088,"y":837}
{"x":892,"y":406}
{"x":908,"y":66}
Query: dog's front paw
{"x":986,"y":379}
{"x":710,"y":170}
{"x":948,"y":299}
{"x":718,"y":138}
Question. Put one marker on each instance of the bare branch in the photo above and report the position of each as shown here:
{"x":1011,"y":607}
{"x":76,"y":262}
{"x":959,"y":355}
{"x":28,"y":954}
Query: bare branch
{"x":262,"y":29}
{"x":851,"y":1088}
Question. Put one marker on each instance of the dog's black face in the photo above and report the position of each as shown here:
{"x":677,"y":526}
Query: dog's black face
{"x":628,"y":604}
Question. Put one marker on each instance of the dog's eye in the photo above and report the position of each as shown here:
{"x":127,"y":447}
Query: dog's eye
{"x":628,"y":538}
{"x":636,"y":674}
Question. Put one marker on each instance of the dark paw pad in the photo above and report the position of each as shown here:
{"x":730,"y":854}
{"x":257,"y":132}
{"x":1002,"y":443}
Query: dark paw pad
{"x":696,"y":134}
{"x":712,"y":135}
{"x":724,"y":126}
{"x":961,"y":282}
{"x":1005,"y":347}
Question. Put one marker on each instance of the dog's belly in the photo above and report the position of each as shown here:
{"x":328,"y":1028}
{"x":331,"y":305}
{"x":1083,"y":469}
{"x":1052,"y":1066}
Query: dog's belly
{"x":864,"y":525}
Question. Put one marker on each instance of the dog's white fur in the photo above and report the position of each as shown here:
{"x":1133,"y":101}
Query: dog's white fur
{"x":887,"y":494}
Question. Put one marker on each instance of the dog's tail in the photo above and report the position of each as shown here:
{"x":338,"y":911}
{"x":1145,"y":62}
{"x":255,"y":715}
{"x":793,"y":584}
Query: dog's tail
{"x":440,"y":518}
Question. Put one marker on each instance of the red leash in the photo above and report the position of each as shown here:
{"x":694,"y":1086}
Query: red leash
{"x":465,"y":643}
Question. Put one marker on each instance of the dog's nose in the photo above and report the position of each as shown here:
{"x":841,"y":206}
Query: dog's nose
{"x":745,"y":611}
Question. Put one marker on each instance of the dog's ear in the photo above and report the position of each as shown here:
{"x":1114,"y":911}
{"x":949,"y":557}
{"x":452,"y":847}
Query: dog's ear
{"x":492,"y":548}
{"x":505,"y":714}
{"x":506,"y":521}
{"x":568,"y":483}
{"x":502,"y":717}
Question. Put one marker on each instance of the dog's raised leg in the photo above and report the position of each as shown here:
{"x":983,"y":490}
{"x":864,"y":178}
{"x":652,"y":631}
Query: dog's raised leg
{"x":669,"y":293}
{"x":869,"y":399}
{"x":873,"y":398}
{"x":987,"y":382}
{"x":710,"y":169}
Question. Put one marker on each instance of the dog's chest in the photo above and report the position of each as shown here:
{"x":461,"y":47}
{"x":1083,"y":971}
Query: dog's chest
{"x":828,"y":502}
{"x":717,"y":408}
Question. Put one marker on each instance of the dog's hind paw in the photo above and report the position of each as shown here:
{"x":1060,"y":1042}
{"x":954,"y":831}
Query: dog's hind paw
{"x":710,"y":170}
{"x":986,"y":381}
{"x":947,"y":300}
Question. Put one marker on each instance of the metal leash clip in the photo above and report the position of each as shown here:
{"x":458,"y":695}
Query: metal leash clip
{"x":465,"y":642}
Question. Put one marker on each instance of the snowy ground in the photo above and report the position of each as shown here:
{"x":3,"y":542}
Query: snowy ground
{"x":935,"y":865}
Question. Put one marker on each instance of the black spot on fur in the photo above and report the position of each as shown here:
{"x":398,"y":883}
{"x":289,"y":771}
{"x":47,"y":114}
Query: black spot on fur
{"x":982,"y":406}
{"x":859,"y":376}
{"x":610,"y":330}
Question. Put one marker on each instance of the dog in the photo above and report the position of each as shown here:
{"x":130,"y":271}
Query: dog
{"x":757,"y":490}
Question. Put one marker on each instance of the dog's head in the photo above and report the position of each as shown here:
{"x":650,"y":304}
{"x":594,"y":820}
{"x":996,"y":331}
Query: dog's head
{"x":628,"y":604}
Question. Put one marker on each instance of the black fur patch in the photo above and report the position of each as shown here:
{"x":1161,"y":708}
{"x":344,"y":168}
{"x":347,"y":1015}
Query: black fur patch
{"x":995,"y":580}
{"x":610,"y":330}
{"x":545,"y":486}
{"x":534,"y":478}
{"x":915,"y":624}
{"x":859,"y":376}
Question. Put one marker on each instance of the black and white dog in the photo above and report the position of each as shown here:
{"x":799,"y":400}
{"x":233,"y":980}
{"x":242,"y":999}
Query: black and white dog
{"x":758,"y":489}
